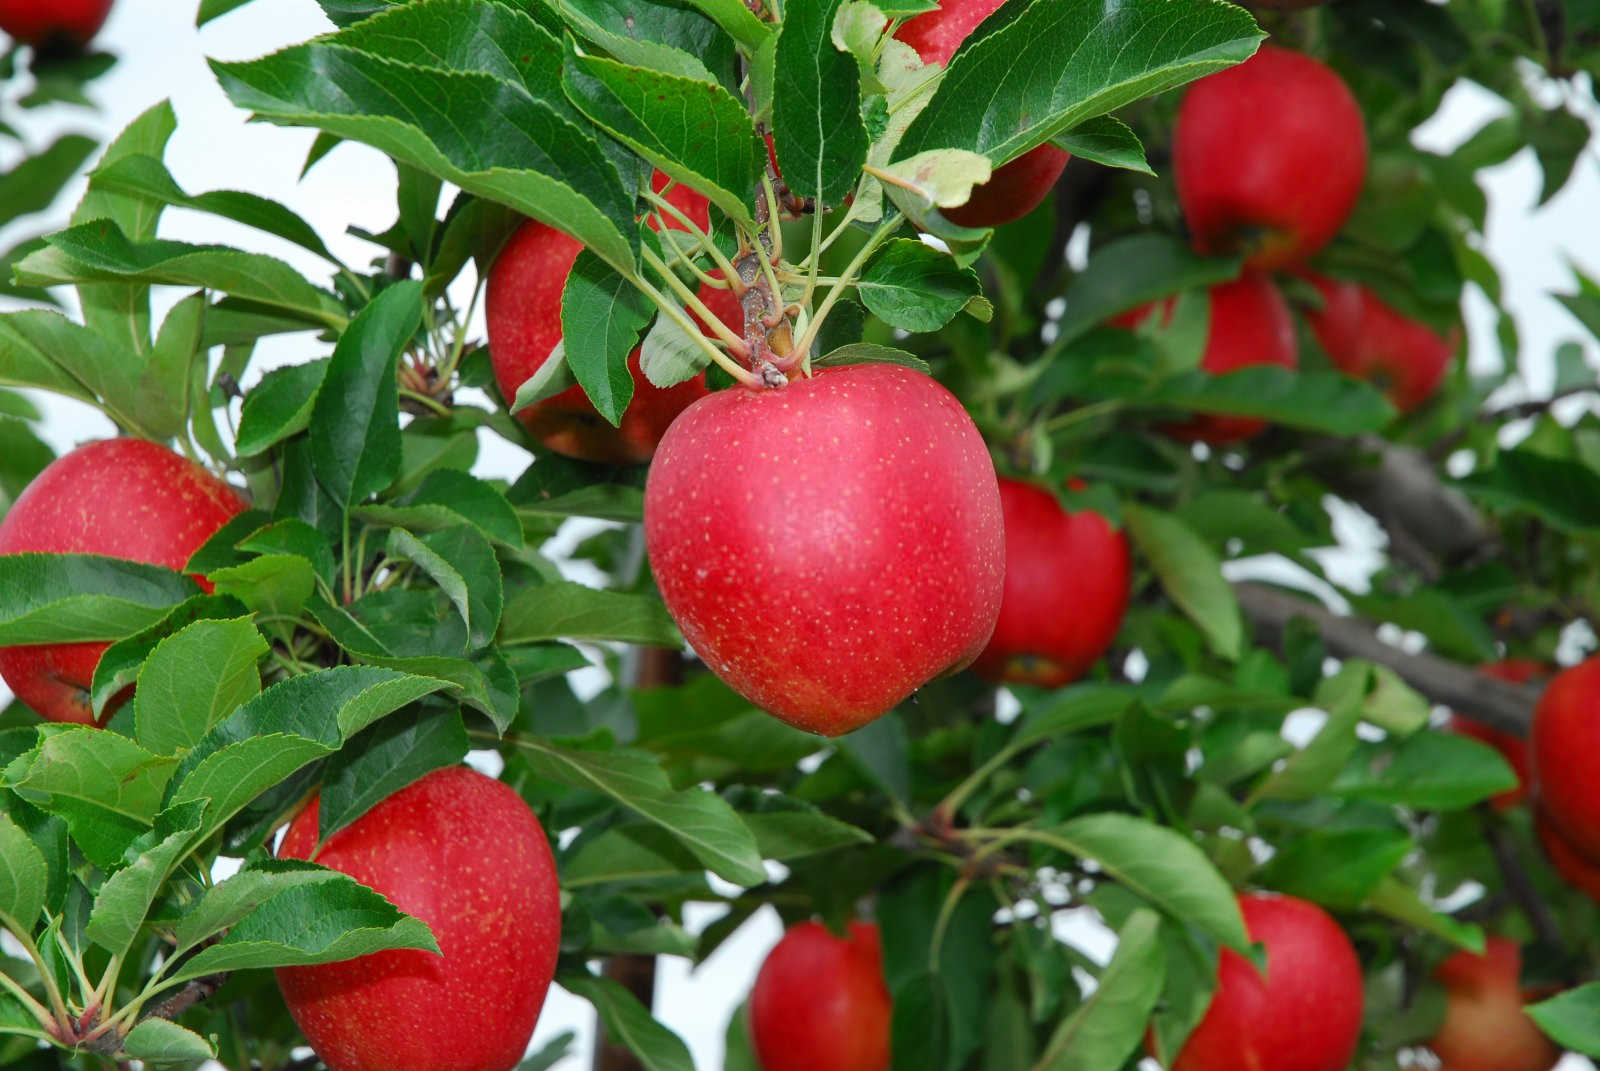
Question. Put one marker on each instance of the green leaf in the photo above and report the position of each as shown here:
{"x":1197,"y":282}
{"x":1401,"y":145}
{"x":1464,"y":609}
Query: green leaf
{"x":34,"y":182}
{"x":307,"y":924}
{"x":1429,"y":771}
{"x":1314,"y":400}
{"x":106,"y":771}
{"x":72,"y":598}
{"x":1129,"y":272}
{"x":288,"y":726}
{"x":355,"y":430}
{"x":1572,"y":1018}
{"x":1364,"y":857}
{"x":820,"y":137}
{"x":1161,"y":865}
{"x":225,"y":903}
{"x":1562,"y":493}
{"x":447,"y":498}
{"x":915,"y":287}
{"x":795,"y":834}
{"x":628,"y":1023}
{"x":694,"y":131}
{"x":1403,"y":904}
{"x":1309,"y":771}
{"x":1191,"y":574}
{"x":292,"y":537}
{"x":193,"y":679}
{"x":671,"y":38}
{"x":740,"y":22}
{"x":147,"y":177}
{"x":869,"y":353}
{"x":100,"y":252}
{"x":120,"y":665}
{"x":124,"y":900}
{"x":23,"y":876}
{"x":602,"y":316}
{"x":161,"y":398}
{"x":40,"y":348}
{"x":488,"y":136}
{"x":1107,"y":1027}
{"x":702,"y":821}
{"x":919,"y":1028}
{"x":276,"y":585}
{"x":1008,"y":91}
{"x":668,"y":356}
{"x":386,"y":758}
{"x":279,"y":406}
{"x":565,"y":610}
{"x":463,"y":564}
{"x":1105,"y":140}
{"x":162,"y":1041}
{"x":215,"y":9}
{"x":630,"y":852}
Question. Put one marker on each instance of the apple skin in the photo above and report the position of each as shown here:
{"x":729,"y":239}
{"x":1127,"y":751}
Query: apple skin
{"x":1513,"y":748}
{"x":523,"y":311}
{"x":1305,"y":1015}
{"x":1269,"y":158}
{"x":820,"y":1002}
{"x":1016,"y":187}
{"x":1579,"y":872}
{"x":1368,"y":339}
{"x":1485,"y":1028}
{"x":123,"y":498}
{"x":1566,"y":753}
{"x":463,"y":853}
{"x":38,"y":22}
{"x":1065,"y":593}
{"x":829,"y":546}
{"x":1250,"y":324}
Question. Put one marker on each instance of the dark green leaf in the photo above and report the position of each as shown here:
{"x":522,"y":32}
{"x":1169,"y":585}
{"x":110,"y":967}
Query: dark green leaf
{"x":565,"y":610}
{"x":817,"y":126}
{"x":1010,"y":91}
{"x":1105,"y":140}
{"x":384,"y":759}
{"x":461,"y":561}
{"x":1107,"y":1027}
{"x":355,"y":430}
{"x":1429,"y":771}
{"x":1562,"y":493}
{"x":279,"y":406}
{"x":1191,"y":575}
{"x":1133,"y":271}
{"x":915,"y":287}
{"x":1315,"y":400}
{"x":602,"y":317}
{"x":193,"y":679}
{"x":53,"y":598}
{"x":447,"y":498}
{"x":694,"y":131}
{"x":34,"y":182}
{"x":1364,"y":858}
{"x":628,"y":1023}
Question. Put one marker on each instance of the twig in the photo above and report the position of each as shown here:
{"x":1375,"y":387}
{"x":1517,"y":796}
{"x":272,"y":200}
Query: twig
{"x":1497,"y":703}
{"x":1518,"y":884}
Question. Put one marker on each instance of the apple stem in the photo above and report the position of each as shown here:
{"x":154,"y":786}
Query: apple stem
{"x":692,"y":300}
{"x":673,"y":312}
{"x":847,"y":279}
{"x":702,"y":240}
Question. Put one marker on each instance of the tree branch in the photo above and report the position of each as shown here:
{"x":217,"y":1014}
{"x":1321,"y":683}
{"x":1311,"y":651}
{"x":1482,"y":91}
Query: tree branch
{"x":1497,"y":703}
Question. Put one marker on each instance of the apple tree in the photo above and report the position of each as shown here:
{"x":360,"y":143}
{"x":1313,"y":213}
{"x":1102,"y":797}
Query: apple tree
{"x":953,"y":401}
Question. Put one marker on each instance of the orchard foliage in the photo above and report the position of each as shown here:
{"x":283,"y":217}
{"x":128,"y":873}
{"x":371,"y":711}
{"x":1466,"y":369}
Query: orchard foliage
{"x":379,"y":611}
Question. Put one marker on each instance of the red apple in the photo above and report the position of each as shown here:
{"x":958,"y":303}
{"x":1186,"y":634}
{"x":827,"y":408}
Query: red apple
{"x":38,"y":22}
{"x":1016,"y":187}
{"x":523,"y":310}
{"x":1566,"y":754}
{"x":1367,"y":339}
{"x":1269,"y":158}
{"x":1305,"y":1015}
{"x":463,"y":853}
{"x":1065,"y":593}
{"x":1514,"y":748}
{"x":829,"y":546}
{"x":1250,"y":324}
{"x":1485,"y":1028}
{"x":123,"y":498}
{"x":1580,"y":873}
{"x":820,"y":1002}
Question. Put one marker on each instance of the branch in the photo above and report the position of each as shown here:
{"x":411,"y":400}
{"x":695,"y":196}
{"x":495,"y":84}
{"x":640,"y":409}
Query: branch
{"x":1518,"y":884}
{"x":1496,"y":703}
{"x":187,"y":997}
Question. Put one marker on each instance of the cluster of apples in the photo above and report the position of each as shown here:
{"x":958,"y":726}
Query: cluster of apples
{"x":1275,"y":184}
{"x":48,"y":22}
{"x":458,"y":850}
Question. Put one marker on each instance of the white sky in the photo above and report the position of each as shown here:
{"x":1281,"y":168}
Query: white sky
{"x":162,"y":56}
